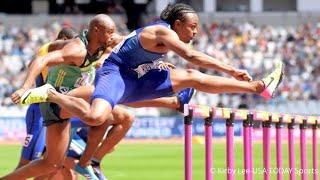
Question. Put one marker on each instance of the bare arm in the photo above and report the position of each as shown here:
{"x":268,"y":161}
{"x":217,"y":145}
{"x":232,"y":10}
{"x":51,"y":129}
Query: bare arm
{"x":171,"y":40}
{"x":67,"y":55}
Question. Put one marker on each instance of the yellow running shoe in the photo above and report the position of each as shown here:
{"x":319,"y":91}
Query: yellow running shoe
{"x":272,"y":81}
{"x":36,"y":95}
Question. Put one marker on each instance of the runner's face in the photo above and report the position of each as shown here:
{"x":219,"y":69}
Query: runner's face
{"x":188,"y":28}
{"x":105,"y":34}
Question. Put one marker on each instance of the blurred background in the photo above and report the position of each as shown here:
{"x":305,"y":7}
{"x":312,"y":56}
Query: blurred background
{"x":250,"y":34}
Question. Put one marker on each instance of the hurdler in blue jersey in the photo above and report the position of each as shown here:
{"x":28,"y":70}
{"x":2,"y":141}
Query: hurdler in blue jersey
{"x":130,"y":73}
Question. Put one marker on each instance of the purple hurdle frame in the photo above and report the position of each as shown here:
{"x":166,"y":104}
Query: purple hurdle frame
{"x":247,"y":143}
{"x":266,"y":147}
{"x":188,"y":145}
{"x":230,"y":147}
{"x":291,"y":149}
{"x":315,"y":151}
{"x":303,"y":150}
{"x":208,"y":144}
{"x":279,"y":126}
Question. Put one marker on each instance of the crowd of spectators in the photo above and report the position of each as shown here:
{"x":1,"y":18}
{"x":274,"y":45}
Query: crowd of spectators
{"x":244,"y":45}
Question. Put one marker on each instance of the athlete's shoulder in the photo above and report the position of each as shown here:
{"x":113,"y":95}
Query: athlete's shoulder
{"x":76,"y":43}
{"x":159,"y":23}
{"x":156,"y":30}
{"x":74,"y":47}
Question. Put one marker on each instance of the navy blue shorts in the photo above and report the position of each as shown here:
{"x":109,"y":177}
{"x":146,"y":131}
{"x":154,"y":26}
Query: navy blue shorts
{"x":118,"y":86}
{"x":34,"y":142}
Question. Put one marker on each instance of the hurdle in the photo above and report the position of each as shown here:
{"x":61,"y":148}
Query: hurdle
{"x":209,"y":114}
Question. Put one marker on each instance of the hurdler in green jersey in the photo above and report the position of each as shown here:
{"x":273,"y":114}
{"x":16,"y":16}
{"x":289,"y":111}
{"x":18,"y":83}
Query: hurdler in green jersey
{"x":64,"y":78}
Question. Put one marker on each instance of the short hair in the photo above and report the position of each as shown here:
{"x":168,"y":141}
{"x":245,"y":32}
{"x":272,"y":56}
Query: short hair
{"x":175,"y":12}
{"x":67,"y":32}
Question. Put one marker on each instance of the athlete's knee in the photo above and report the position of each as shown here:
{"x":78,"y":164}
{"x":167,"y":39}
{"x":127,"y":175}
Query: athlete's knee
{"x":94,"y":119}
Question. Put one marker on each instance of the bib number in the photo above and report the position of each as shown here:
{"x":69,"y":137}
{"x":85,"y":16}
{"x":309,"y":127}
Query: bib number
{"x":27,"y":140}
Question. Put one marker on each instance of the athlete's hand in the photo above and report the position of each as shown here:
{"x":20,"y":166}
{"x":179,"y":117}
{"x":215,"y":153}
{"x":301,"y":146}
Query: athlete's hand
{"x":165,"y":65}
{"x":241,"y":75}
{"x":16,"y":96}
{"x":98,"y":65}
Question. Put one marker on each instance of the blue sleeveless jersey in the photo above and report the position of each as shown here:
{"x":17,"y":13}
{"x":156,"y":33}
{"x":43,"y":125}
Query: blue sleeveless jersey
{"x":131,"y":74}
{"x":131,"y":55}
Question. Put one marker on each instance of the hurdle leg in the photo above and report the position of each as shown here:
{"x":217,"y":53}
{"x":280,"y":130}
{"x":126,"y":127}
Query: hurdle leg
{"x":208,"y":144}
{"x":279,"y":126}
{"x":188,"y":146}
{"x":315,"y":152}
{"x":230,"y":147}
{"x":303,"y":150}
{"x":247,"y":142}
{"x":291,"y":148}
{"x":266,"y":148}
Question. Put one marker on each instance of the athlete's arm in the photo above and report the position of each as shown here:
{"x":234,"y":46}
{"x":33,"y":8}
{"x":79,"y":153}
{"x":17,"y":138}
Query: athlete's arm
{"x":171,"y":40}
{"x":69,"y":54}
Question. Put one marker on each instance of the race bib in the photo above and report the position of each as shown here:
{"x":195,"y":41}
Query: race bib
{"x":27,"y":140}
{"x":86,"y":79}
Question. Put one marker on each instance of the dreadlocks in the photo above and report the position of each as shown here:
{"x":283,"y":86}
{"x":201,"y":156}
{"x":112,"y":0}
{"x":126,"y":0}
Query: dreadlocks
{"x":175,"y":12}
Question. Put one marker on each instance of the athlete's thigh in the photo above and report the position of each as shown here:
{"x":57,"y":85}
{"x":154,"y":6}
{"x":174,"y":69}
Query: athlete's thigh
{"x":57,"y":140}
{"x":109,"y":86}
{"x":184,"y":78}
{"x":34,"y":142}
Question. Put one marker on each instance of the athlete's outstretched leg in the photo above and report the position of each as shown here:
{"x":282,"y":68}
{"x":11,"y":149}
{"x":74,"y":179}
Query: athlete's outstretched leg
{"x":166,"y":102}
{"x":93,"y":115}
{"x":212,"y":84}
{"x":215,"y":84}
